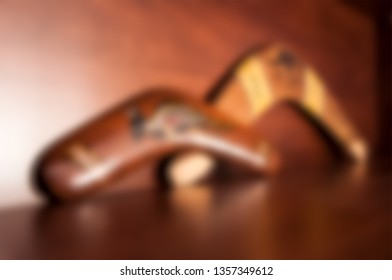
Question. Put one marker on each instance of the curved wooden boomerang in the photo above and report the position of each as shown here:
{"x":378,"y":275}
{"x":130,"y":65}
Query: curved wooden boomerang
{"x":273,"y":75}
{"x":147,"y":127}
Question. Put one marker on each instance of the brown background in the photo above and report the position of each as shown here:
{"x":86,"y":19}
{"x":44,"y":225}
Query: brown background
{"x":62,"y":62}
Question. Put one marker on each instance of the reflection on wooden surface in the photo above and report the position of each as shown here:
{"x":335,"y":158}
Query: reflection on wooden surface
{"x":331,"y":214}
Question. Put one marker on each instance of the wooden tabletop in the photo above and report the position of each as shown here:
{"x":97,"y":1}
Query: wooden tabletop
{"x":341,"y":213}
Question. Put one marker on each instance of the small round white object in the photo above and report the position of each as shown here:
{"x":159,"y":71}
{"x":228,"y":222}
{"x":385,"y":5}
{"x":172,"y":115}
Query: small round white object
{"x":190,"y":167}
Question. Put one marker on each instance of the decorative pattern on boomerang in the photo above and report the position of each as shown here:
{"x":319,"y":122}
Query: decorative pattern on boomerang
{"x":272,"y":75}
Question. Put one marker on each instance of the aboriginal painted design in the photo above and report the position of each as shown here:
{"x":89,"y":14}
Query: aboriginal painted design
{"x":169,"y":120}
